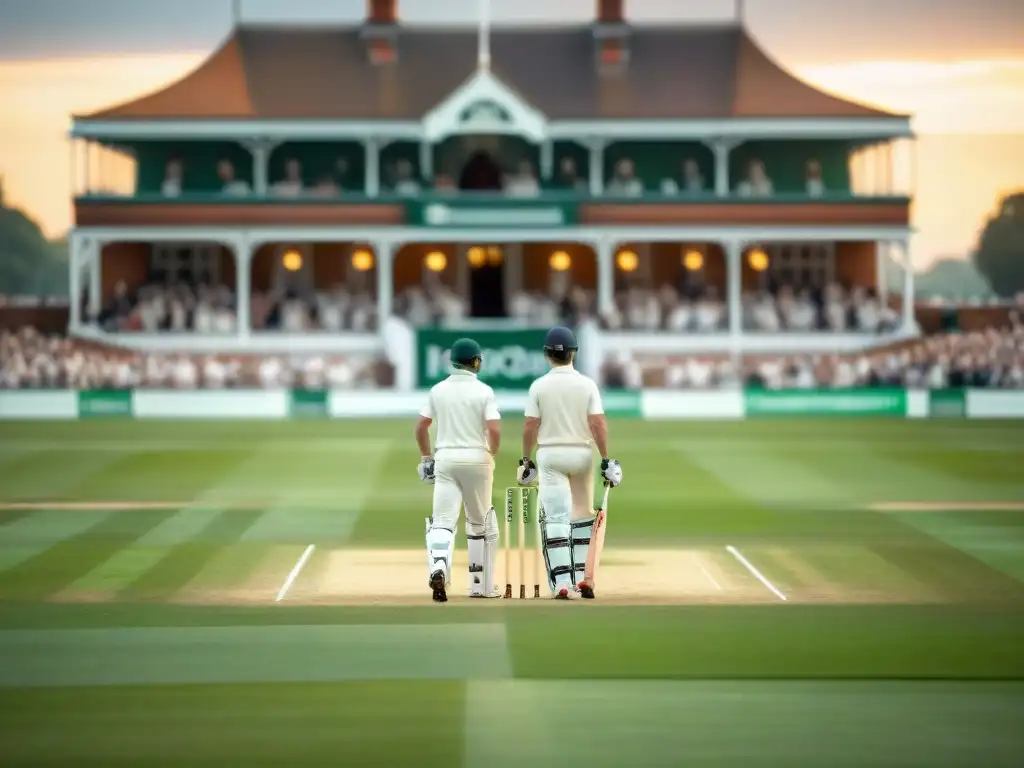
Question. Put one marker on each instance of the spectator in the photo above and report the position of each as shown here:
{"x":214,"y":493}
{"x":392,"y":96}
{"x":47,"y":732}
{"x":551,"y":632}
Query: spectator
{"x":291,"y":184}
{"x":757,"y":183}
{"x":690,"y":182}
{"x":568,"y":177}
{"x":814,"y":183}
{"x":406,"y":183}
{"x":624,"y":182}
{"x":172,"y":185}
{"x":523,"y":183}
{"x":230,"y":185}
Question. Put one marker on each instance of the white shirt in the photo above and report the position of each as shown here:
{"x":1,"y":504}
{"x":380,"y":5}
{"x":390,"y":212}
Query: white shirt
{"x":562,"y":399}
{"x":459,"y":406}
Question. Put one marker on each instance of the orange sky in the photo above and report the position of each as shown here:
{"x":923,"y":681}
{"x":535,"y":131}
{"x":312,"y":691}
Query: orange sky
{"x":969,"y":112}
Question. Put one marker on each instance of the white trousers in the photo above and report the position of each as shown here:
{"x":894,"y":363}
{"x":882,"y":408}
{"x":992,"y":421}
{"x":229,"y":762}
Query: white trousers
{"x":566,"y":480}
{"x":459,"y":480}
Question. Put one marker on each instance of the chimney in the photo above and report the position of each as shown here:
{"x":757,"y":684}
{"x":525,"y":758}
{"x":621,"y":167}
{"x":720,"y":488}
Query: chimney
{"x":611,"y":35}
{"x":380,"y":30}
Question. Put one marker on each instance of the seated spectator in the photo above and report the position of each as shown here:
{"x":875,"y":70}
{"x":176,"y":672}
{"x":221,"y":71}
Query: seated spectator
{"x":624,"y":182}
{"x":710,"y":313}
{"x":764,"y":315}
{"x":333,"y":308}
{"x":690,"y":181}
{"x":405,"y":183}
{"x":523,"y":183}
{"x":834,"y":308}
{"x":568,"y":178}
{"x":230,"y":185}
{"x":815,"y":185}
{"x":757,"y":183}
{"x":291,"y":184}
{"x":172,"y":185}
{"x":326,"y":186}
{"x":445,"y":184}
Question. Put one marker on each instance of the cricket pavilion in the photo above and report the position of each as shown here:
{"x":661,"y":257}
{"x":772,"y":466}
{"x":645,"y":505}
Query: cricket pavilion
{"x":383,"y":157}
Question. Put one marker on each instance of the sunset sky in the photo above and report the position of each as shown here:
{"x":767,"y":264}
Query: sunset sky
{"x":957,"y":66}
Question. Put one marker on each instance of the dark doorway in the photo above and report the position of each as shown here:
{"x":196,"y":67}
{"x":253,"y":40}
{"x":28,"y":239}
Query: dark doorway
{"x":487,"y":279}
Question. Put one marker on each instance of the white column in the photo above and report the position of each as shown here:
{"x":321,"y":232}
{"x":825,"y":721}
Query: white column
{"x":734,"y":286}
{"x":75,"y":280}
{"x":243,"y":285}
{"x":881,"y":251}
{"x":261,"y":165}
{"x":385,"y":251}
{"x":547,"y":159}
{"x":95,"y":258}
{"x":908,"y":287}
{"x":371,"y":182}
{"x":721,"y":150}
{"x":603,"y":250}
{"x":596,"y":166}
{"x":427,"y":163}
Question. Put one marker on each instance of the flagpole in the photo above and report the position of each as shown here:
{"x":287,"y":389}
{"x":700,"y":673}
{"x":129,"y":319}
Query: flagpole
{"x":483,"y":60}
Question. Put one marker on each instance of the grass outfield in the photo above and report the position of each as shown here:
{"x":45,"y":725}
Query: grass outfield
{"x":840,"y":592}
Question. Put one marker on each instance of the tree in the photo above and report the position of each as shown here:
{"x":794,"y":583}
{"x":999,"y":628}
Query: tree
{"x":29,"y":263}
{"x":1000,"y":253}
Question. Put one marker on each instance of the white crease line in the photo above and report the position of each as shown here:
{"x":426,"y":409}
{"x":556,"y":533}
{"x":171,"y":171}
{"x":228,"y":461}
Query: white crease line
{"x":294,"y":573}
{"x":705,"y":572}
{"x":757,"y":574}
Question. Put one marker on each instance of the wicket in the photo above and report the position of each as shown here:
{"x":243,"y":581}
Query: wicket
{"x":517,"y":506}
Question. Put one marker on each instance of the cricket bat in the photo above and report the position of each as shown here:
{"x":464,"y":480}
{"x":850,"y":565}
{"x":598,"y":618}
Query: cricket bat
{"x":597,"y":539}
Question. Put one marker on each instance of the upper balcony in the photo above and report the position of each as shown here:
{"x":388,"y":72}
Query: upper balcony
{"x":601,"y":125}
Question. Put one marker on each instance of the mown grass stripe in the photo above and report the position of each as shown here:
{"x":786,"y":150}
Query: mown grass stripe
{"x":56,"y":567}
{"x":232,"y":566}
{"x":186,"y":560}
{"x":8,"y":516}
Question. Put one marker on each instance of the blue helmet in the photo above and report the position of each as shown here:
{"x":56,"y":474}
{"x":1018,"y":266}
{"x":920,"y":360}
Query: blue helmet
{"x":560,"y":344}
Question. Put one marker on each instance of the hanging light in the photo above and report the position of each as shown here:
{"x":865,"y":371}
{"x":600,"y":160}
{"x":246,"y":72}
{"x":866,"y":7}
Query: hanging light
{"x":436,"y":261}
{"x":292,"y":260}
{"x":627,"y":261}
{"x":560,"y":261}
{"x":362,"y":260}
{"x":758,"y":260}
{"x":693,"y":260}
{"x":476,"y":256}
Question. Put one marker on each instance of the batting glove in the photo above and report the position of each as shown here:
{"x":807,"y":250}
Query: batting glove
{"x":611,"y":471}
{"x":527,"y":472}
{"x":426,"y":470}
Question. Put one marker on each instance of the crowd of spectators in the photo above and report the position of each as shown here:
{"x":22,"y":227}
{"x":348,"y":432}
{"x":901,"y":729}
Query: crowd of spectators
{"x":774,"y":310}
{"x":438,"y":304}
{"x":335,"y":310}
{"x":521,"y":180}
{"x":30,"y":360}
{"x":178,"y":307}
{"x":992,"y":358}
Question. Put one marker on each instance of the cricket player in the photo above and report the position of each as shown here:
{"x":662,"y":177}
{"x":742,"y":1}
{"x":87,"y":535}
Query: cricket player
{"x":461,"y":469}
{"x":565,"y":420}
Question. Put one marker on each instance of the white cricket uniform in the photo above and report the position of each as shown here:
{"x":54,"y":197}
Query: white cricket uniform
{"x":460,"y":406}
{"x":564,"y":399}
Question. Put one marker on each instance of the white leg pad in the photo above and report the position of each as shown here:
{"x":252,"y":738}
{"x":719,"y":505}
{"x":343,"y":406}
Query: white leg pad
{"x":490,"y":550}
{"x":582,"y":530}
{"x":476,"y":549}
{"x":440,"y":548}
{"x":557,"y":546}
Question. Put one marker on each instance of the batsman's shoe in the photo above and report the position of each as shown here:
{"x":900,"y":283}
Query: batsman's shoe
{"x":586,"y":591}
{"x":566,"y":592}
{"x":437,"y":584}
{"x":495,"y":592}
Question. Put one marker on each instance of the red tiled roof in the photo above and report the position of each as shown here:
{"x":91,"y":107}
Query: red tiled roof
{"x":672,"y":73}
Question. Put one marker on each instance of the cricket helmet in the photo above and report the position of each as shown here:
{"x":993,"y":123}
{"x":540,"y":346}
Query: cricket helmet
{"x":560,"y":344}
{"x":467,"y":355}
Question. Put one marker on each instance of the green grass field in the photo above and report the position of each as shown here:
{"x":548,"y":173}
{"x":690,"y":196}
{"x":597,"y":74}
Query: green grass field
{"x":141,"y":562}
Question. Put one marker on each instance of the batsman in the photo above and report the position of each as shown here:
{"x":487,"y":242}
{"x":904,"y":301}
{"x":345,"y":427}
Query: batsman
{"x":565,"y":420}
{"x":461,"y":469}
